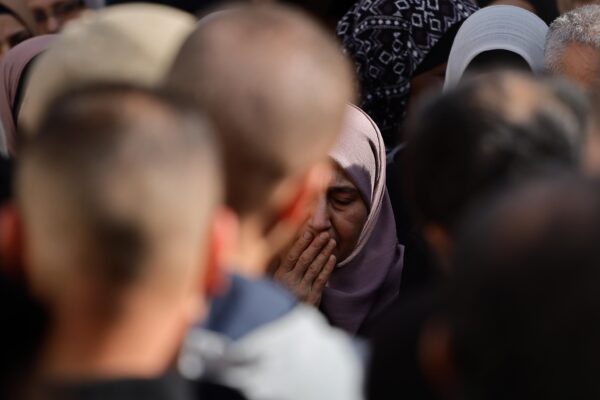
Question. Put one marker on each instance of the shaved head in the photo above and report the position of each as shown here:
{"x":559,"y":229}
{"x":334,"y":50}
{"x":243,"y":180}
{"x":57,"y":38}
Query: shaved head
{"x":275,"y":85}
{"x":117,"y":191}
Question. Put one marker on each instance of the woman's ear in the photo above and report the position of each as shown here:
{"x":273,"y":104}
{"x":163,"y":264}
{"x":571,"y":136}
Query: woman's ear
{"x":11,"y":243}
{"x":222,"y":242}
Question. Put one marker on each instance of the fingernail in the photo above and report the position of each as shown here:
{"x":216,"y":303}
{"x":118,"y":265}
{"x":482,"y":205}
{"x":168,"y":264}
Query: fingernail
{"x":332,"y":258}
{"x":324,"y":235}
{"x":307,"y":235}
{"x":332,"y":243}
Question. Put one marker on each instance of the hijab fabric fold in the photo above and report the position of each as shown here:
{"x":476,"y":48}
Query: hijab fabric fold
{"x":12,"y":68}
{"x":368,"y":280}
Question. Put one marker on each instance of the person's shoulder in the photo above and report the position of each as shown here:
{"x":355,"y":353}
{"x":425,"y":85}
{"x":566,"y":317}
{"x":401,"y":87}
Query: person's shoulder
{"x":309,"y":348}
{"x":247,"y":305}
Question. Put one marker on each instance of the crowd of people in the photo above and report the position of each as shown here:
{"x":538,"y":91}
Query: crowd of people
{"x":299,"y":200}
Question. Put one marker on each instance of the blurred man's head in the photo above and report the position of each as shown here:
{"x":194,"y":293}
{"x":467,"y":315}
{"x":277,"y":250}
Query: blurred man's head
{"x":523,"y":308}
{"x":492,"y":132}
{"x":276,"y":87}
{"x":131,"y":44}
{"x":573,"y":46}
{"x":117,"y":202}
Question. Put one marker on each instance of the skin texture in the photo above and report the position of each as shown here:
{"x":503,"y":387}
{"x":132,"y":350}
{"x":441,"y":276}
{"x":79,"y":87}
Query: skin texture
{"x":47,"y":19}
{"x":329,"y":234}
{"x":580,"y":63}
{"x":12,"y":32}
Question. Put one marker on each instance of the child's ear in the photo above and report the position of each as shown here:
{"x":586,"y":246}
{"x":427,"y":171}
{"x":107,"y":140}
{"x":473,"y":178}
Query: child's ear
{"x":11,"y":243}
{"x":223,"y":239}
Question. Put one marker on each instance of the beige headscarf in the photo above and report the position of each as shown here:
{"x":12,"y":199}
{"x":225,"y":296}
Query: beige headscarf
{"x":132,"y":43}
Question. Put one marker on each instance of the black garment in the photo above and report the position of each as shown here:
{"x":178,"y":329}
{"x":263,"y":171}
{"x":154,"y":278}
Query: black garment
{"x":419,"y":270}
{"x":22,"y":326}
{"x":394,"y":371}
{"x":6,"y":175}
{"x":168,"y":387}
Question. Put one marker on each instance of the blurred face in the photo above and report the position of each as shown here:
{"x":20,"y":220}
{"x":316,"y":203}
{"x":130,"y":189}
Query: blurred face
{"x":51,"y":15}
{"x":580,"y":64}
{"x":12,"y":32}
{"x":341,"y":212}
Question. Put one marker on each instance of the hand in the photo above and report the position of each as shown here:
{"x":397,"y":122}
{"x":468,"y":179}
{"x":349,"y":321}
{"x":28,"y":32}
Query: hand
{"x":305,"y":268}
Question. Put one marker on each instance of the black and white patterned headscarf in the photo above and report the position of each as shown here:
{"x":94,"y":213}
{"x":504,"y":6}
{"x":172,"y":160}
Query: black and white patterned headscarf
{"x":388,"y":40}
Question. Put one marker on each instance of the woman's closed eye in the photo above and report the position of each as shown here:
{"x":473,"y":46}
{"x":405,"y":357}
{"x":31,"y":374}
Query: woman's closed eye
{"x":343,"y":197}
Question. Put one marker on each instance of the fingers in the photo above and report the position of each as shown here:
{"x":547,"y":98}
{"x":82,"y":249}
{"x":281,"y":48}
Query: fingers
{"x":323,"y":277}
{"x":288,"y":262}
{"x":318,"y":263}
{"x":311,"y":253}
{"x":321,"y":281}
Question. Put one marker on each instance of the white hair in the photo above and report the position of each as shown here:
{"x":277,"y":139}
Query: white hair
{"x":581,"y":25}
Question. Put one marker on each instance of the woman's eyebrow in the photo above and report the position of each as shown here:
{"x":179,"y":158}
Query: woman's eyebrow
{"x":342,"y":189}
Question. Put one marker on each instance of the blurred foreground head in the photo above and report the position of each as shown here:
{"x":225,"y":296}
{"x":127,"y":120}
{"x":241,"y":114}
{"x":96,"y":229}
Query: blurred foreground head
{"x":573,"y":46}
{"x":523,"y":306}
{"x":133,"y":43}
{"x":492,"y":132}
{"x":117,"y":198}
{"x":276,"y":86}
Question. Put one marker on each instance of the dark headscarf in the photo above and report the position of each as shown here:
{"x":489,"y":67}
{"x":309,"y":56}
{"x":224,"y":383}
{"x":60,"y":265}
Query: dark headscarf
{"x":389,"y":40}
{"x":547,"y":10}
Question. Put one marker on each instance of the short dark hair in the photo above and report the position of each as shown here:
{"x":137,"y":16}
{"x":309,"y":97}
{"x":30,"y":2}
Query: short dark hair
{"x":487,"y":134}
{"x":120,"y":170}
{"x":522,"y":303}
{"x":275,"y":84}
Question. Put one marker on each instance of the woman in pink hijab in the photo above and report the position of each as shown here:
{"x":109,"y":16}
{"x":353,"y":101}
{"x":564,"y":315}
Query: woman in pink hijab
{"x":13,"y":69}
{"x":347,"y":258}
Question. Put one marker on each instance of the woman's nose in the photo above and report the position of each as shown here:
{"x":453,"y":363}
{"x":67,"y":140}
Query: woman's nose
{"x":319,"y":220}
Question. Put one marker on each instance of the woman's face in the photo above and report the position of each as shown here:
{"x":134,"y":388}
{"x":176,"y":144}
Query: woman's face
{"x":52,"y":15}
{"x":12,"y":32}
{"x":341,"y":212}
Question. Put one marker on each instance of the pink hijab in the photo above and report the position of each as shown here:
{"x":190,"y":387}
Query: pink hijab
{"x":368,"y":280}
{"x":11,"y":70}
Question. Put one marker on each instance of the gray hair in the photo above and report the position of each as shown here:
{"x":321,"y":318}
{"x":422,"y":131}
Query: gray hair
{"x":581,"y":25}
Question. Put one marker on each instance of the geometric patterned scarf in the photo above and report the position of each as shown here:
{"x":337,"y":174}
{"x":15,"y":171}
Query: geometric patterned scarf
{"x":388,"y":40}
